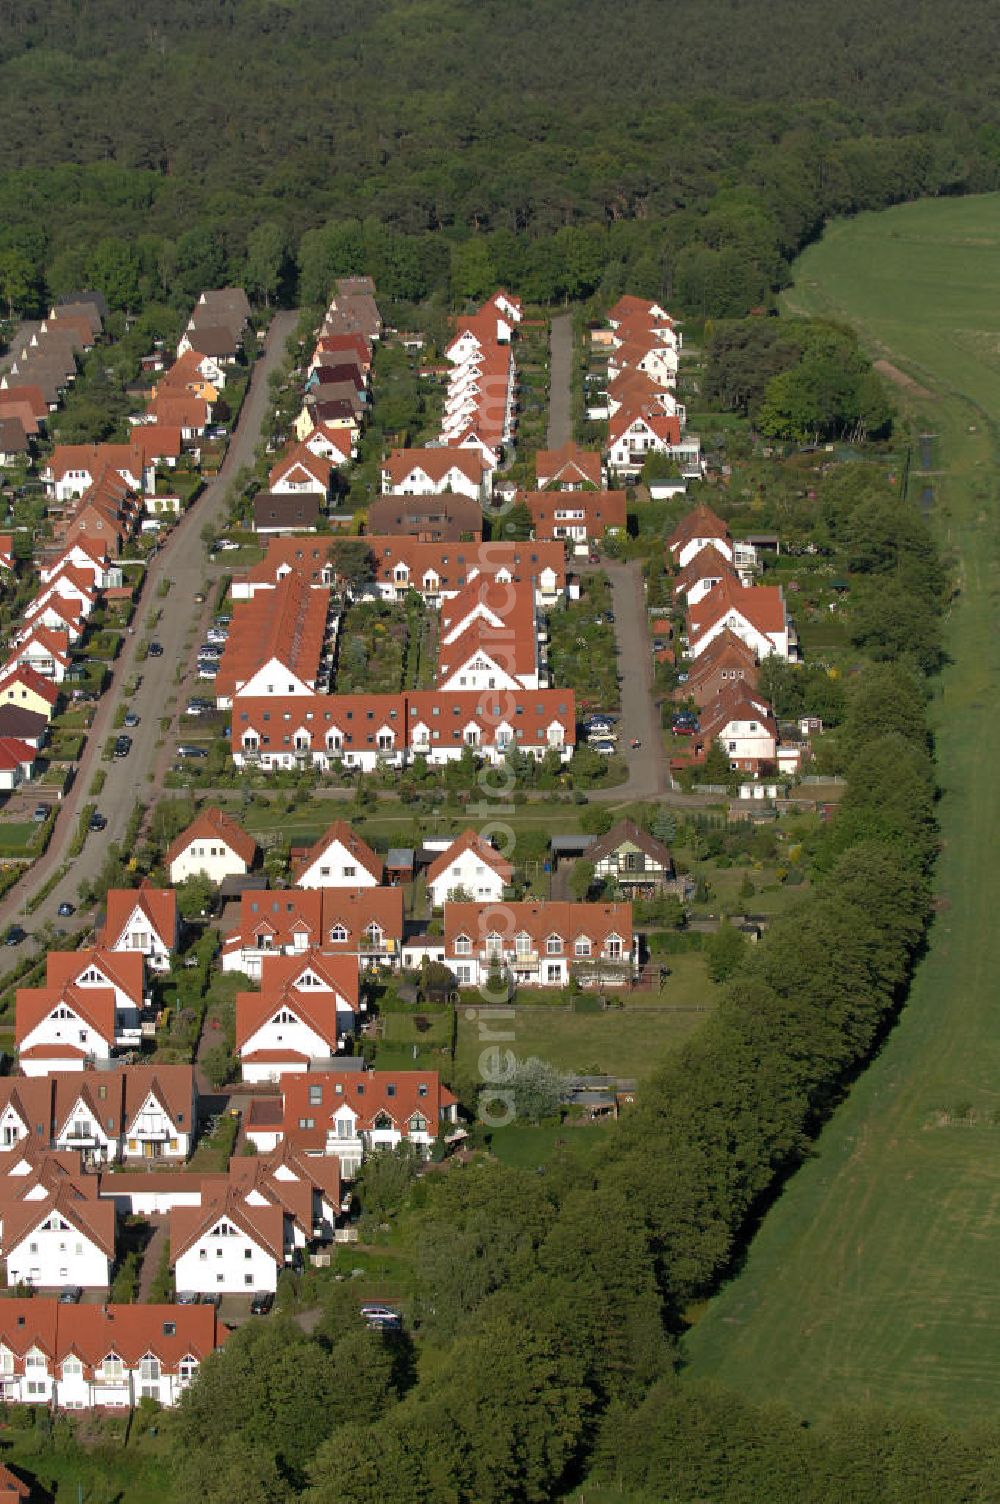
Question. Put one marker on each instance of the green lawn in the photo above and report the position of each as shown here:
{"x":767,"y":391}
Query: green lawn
{"x":17,"y":836}
{"x":619,"y":1042}
{"x":874,"y":1277}
{"x":523,"y":1147}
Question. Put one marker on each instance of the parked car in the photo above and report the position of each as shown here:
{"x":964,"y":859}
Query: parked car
{"x":226,"y":544}
{"x":123,"y":746}
{"x":131,"y":719}
{"x":377,"y":1309}
{"x":211,"y":1298}
{"x":199,"y":599}
{"x":40,"y":812}
{"x":187,"y":750}
{"x":155,"y":650}
{"x":261,"y":1303}
{"x":97,"y":821}
{"x":65,"y":909}
{"x":606,"y":749}
{"x":199,"y":706}
{"x":70,"y":1295}
{"x":210,"y":651}
{"x":223,"y":620}
{"x":187,"y":1298}
{"x":208,"y":671}
{"x":15,"y":935}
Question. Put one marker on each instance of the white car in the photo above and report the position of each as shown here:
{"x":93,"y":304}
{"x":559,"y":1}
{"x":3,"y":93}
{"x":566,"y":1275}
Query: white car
{"x":606,"y":749}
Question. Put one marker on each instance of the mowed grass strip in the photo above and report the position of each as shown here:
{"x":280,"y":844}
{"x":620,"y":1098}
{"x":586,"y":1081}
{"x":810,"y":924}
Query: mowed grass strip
{"x":874,"y":1277}
{"x":618,"y":1042}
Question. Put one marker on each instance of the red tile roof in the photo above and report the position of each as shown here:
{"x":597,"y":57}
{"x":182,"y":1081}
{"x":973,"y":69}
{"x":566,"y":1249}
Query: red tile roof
{"x":763,"y":606}
{"x":159,"y":905}
{"x":123,"y":969}
{"x":32,"y":681}
{"x":571,"y":462}
{"x":709,"y":563}
{"x":668,"y":430}
{"x":471,"y":840}
{"x":601,"y":510}
{"x":264,"y":1225}
{"x":539,"y":920}
{"x":314,"y":1006}
{"x":300,"y":458}
{"x":287,"y":624}
{"x":94,"y":1005}
{"x":435,"y":463}
{"x":213,"y":824}
{"x":341,"y":831}
{"x":16,"y":754}
{"x":93,"y":1218}
{"x":93,"y":1332}
{"x":700,"y":522}
{"x":397,"y":1094}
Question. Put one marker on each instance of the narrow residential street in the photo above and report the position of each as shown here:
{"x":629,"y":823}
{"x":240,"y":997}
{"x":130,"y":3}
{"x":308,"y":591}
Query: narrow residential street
{"x":183,"y":561}
{"x":640,"y":720}
{"x":560,"y":380}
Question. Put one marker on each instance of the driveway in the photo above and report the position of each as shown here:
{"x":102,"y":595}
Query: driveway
{"x":183,"y":561}
{"x":560,"y":380}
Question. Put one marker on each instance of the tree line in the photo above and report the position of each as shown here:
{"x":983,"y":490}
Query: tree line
{"x":687,"y":154}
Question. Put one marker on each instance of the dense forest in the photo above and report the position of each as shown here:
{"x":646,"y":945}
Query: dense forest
{"x":686,"y":151}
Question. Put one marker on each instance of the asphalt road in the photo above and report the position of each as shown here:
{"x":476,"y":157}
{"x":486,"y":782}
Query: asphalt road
{"x":560,"y":380}
{"x":183,"y":561}
{"x":640,"y":720}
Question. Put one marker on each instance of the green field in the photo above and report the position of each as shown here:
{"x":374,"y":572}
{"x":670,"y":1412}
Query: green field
{"x":874,"y":1277}
{"x":618,"y":1042}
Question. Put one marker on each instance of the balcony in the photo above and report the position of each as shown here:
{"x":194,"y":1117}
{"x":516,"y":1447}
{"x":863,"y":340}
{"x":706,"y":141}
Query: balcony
{"x":384,"y":947}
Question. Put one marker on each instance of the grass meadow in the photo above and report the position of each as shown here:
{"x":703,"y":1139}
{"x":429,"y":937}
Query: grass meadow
{"x":874,"y":1276}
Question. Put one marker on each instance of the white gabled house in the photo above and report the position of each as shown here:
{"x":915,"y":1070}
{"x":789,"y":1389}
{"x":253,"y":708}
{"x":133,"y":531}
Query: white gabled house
{"x":212,"y":846}
{"x":306,"y":1010}
{"x":143,"y":920}
{"x":339,"y":859}
{"x":64,"y":1238}
{"x":470,"y":868}
{"x":63,"y":1028}
{"x":228,"y":1247}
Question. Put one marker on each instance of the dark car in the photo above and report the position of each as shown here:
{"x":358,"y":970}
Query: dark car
{"x":261,"y":1303}
{"x":190,"y":751}
{"x":65,"y":909}
{"x":96,"y":821}
{"x":155,"y":650}
{"x":69,"y":1295}
{"x":187,"y":1298}
{"x":212,"y":1298}
{"x":15,"y":935}
{"x":123,"y":746}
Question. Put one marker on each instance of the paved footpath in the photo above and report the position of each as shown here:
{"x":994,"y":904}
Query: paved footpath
{"x":182,"y":560}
